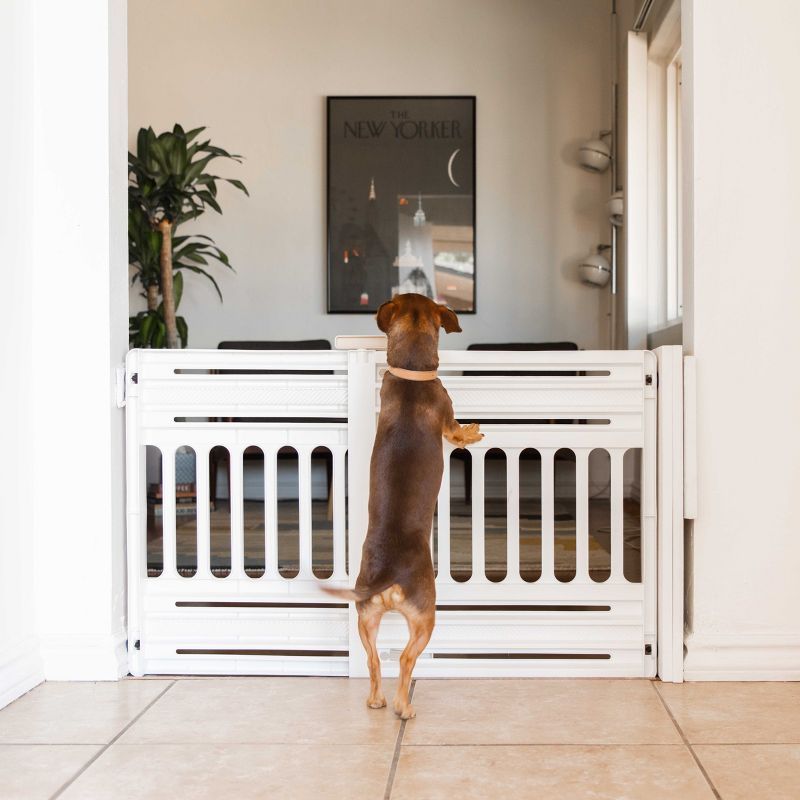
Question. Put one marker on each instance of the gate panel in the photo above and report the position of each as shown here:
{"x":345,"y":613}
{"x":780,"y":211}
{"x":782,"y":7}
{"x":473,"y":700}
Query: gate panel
{"x":238,"y":624}
{"x":565,"y":623}
{"x":562,"y":406}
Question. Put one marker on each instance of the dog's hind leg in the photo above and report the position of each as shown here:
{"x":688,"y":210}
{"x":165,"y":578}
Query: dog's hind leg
{"x":420,"y":628}
{"x":369,"y":620}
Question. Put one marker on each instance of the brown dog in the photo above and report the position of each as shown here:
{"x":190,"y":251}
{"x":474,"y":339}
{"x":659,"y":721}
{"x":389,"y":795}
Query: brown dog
{"x":405,"y":476}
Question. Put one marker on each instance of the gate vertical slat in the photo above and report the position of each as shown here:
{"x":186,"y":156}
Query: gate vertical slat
{"x":136,"y":518}
{"x":361,"y":413}
{"x":548,"y":516}
{"x":664,"y":570}
{"x":203,"y":512}
{"x":478,"y":517}
{"x":271,"y":572}
{"x":236,"y":501}
{"x":304,"y":500}
{"x":512,"y":514}
{"x":443,"y":523}
{"x":168,"y":512}
{"x":581,"y":514}
{"x":617,"y":519}
{"x":339,"y":518}
{"x":652,"y":538}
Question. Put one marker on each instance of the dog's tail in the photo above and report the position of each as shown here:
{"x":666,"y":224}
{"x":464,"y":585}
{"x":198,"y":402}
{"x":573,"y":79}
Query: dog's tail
{"x":357,"y":595}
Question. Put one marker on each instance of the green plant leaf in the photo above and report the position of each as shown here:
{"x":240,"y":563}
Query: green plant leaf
{"x":207,"y":198}
{"x":197,"y":258}
{"x":158,"y":162}
{"x":141,"y":143}
{"x":191,"y":247}
{"x":193,"y":133}
{"x":238,"y":184}
{"x":183,"y":331}
{"x":219,"y":255}
{"x":177,"y":288}
{"x":159,"y":336}
{"x":218,"y":151}
{"x":200,"y":271}
{"x":147,"y":326}
{"x":195,"y":170}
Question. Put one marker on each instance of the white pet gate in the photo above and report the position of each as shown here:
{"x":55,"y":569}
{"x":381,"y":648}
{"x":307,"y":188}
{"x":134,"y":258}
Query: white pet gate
{"x":546,"y":539}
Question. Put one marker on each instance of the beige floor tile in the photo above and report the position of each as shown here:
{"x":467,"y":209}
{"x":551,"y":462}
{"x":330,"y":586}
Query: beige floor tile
{"x":219,"y":772}
{"x":736,"y":713}
{"x":264,"y":710}
{"x":76,"y":713}
{"x":570,"y":772}
{"x":34,"y":771}
{"x":748,"y":771}
{"x":539,"y":712}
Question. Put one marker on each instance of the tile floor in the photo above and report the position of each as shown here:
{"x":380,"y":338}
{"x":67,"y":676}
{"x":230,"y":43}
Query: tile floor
{"x":300,"y":738}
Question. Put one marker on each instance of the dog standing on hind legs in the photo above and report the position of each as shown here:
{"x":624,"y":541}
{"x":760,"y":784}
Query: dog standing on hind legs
{"x":405,"y":475}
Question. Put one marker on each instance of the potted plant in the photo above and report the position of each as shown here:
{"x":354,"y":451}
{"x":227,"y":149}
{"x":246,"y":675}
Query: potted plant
{"x":168,"y":185}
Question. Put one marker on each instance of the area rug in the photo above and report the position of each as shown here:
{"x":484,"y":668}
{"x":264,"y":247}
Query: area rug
{"x":495,"y":544}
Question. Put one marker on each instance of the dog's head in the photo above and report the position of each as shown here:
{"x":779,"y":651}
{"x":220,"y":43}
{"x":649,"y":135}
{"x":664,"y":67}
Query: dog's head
{"x":412,"y":322}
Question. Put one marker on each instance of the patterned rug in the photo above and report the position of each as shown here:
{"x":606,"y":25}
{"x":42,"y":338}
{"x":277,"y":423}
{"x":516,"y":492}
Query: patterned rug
{"x":495,"y":528}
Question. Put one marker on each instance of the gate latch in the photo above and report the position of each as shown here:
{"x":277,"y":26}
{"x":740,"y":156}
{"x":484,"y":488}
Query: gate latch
{"x":120,"y":386}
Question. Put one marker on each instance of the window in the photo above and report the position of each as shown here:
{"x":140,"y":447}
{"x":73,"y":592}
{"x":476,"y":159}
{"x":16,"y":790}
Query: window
{"x":653,"y":190}
{"x":674,"y":260}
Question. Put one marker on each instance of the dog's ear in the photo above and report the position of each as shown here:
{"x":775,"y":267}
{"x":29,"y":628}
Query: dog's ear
{"x":449,"y":320}
{"x":385,"y":314}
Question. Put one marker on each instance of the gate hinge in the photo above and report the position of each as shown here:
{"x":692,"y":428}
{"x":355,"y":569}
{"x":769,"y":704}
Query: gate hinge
{"x":120,"y":387}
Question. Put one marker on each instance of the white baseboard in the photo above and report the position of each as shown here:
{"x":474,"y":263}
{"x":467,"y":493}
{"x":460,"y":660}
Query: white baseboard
{"x":85,"y":657}
{"x":20,"y":670}
{"x":742,"y":657}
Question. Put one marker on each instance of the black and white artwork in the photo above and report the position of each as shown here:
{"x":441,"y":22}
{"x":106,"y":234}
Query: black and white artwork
{"x":401,"y":201}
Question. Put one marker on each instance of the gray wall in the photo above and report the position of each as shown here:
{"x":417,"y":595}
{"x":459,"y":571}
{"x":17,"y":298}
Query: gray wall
{"x":257,"y":73}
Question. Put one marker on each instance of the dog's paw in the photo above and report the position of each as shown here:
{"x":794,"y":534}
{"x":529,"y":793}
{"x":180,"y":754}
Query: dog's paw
{"x":465,"y":435}
{"x":404,"y":710}
{"x":471,"y":433}
{"x":377,"y":702}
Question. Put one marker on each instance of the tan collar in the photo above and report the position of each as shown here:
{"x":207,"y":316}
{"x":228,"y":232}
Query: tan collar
{"x":412,"y":374}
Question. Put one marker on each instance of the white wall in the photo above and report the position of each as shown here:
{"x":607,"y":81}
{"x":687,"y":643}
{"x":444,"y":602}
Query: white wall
{"x":257,"y":74}
{"x":626,"y":12}
{"x":20,"y":663}
{"x":63,"y":211}
{"x":742,"y":128}
{"x":78,"y":335}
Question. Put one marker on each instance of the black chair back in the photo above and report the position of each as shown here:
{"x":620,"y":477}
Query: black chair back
{"x":521,"y":346}
{"x":299,"y":344}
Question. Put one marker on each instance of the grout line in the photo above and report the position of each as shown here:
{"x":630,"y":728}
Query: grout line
{"x":103,"y":749}
{"x":51,"y":744}
{"x":396,"y":757}
{"x":262,"y":743}
{"x":687,"y":743}
{"x":543,"y":744}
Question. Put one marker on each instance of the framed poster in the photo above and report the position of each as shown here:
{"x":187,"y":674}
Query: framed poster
{"x":401,"y":201}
